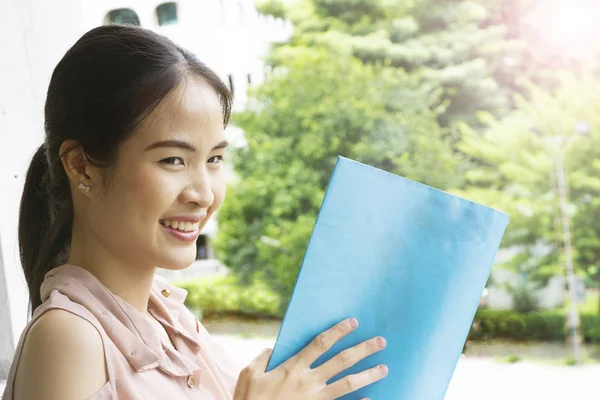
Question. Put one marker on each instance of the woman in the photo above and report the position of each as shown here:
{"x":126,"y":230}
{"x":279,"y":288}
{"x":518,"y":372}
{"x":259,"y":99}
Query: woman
{"x":128,"y":175}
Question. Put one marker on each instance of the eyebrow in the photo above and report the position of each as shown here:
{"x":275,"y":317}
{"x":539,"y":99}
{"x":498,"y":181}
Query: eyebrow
{"x":182,"y":145}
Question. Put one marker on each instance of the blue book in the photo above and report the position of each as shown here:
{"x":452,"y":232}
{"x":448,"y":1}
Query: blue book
{"x":410,"y":262}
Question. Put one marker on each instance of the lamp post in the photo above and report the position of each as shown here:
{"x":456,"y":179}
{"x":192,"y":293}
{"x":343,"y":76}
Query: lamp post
{"x":581,"y":128}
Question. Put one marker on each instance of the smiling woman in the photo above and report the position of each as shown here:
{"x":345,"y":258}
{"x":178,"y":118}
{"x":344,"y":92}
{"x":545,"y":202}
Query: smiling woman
{"x":126,"y":179}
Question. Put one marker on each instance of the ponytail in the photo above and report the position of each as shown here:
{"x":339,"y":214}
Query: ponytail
{"x":45,"y":223}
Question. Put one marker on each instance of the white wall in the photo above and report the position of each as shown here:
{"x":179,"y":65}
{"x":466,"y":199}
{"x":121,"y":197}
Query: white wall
{"x":34,"y":34}
{"x":32,"y":42}
{"x":548,"y":297}
{"x":551,"y":296}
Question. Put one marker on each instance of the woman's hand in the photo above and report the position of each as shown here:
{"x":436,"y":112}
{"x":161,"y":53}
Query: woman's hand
{"x":295,"y":380}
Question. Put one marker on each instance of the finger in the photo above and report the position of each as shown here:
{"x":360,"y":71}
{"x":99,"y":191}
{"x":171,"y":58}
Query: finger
{"x":350,"y":357}
{"x":260,"y":363}
{"x":324,"y":341}
{"x":352,"y":383}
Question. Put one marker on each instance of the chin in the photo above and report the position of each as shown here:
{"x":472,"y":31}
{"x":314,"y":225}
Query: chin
{"x":180,"y":259}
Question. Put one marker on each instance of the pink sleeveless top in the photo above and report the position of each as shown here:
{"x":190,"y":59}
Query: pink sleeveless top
{"x":140,"y":366}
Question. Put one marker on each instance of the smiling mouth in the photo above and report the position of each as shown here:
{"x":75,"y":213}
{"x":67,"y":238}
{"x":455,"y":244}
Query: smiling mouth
{"x":181,"y":226}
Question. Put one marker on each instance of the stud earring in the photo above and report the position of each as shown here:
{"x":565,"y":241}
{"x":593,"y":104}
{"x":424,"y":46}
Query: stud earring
{"x":84,"y":187}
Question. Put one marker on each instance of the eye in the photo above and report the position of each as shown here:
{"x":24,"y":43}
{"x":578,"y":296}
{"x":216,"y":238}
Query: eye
{"x":173,"y":161}
{"x":218,"y":158}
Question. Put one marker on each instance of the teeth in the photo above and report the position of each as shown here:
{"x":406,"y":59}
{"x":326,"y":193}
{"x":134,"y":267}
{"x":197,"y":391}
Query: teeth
{"x":181,"y":225}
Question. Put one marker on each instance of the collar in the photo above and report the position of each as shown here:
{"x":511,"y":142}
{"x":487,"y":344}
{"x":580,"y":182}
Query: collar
{"x":127,"y":328}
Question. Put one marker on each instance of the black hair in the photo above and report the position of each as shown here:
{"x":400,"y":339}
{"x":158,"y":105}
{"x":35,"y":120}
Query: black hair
{"x":106,"y":84}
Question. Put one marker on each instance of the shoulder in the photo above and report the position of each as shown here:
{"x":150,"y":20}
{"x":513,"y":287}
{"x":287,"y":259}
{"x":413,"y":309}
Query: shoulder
{"x":64,"y":355}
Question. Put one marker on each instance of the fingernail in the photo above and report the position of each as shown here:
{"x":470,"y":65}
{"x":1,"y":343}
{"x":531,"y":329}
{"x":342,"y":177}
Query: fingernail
{"x":353,"y":322}
{"x":383,"y":370}
{"x":381,"y":342}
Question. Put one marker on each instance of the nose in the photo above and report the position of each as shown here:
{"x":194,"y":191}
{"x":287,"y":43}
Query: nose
{"x":199,"y":191}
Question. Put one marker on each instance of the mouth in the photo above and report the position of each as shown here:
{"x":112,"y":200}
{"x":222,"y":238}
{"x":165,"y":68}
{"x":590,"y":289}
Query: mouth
{"x":185,"y":231}
{"x":181,"y":226}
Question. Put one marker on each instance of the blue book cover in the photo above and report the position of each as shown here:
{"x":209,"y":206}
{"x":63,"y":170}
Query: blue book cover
{"x":409,"y":262}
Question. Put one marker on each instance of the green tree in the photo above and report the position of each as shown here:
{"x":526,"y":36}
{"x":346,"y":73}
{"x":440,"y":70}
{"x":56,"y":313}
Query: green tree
{"x":316,"y":106}
{"x":461,"y":46}
{"x":512,"y":173}
{"x":516,"y":171}
{"x":276,"y":8}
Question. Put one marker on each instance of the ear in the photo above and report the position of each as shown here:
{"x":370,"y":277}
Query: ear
{"x":78,"y":168}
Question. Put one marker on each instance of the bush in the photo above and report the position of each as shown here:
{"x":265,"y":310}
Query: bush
{"x":571,"y":361}
{"x":276,"y":8}
{"x":225,"y":296}
{"x":524,"y":301}
{"x":542,"y":325}
{"x":499,"y":324}
{"x":512,"y":358}
{"x":590,"y":324}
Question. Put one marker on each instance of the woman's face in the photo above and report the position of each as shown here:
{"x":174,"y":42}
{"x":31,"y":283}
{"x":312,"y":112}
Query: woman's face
{"x":167,"y":183}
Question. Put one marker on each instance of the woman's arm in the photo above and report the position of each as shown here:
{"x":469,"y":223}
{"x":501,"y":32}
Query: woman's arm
{"x":62,"y":359}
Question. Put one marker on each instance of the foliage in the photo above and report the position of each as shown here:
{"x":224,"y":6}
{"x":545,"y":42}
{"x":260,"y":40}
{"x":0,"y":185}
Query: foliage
{"x":516,"y":182}
{"x":276,"y":8}
{"x":494,"y":324}
{"x":590,"y":327}
{"x":512,"y":358}
{"x":571,"y":361}
{"x":590,"y":305}
{"x":460,"y":94}
{"x":542,"y":325}
{"x":461,"y":46}
{"x":515,"y":170}
{"x":225,"y":295}
{"x":316,"y":106}
{"x":524,"y":300}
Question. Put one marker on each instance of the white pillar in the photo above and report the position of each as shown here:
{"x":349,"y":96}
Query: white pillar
{"x":35,"y":35}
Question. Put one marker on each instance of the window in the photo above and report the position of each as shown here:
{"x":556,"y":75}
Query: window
{"x":166,"y":13}
{"x":202,"y":248}
{"x":123,"y":16}
{"x":241,"y":12}
{"x":223,"y":12}
{"x":231,"y":83}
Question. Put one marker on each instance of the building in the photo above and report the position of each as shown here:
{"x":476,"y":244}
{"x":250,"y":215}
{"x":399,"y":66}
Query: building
{"x":230,"y":36}
{"x":549,"y":296}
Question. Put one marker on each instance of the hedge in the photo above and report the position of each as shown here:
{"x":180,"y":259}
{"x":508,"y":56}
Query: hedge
{"x":220,"y":296}
{"x":590,"y":324}
{"x":542,"y":325}
{"x":213,"y":297}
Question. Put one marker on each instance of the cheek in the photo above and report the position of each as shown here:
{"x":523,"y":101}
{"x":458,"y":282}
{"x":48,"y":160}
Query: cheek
{"x":152,"y":189}
{"x":133,"y":203}
{"x":219,"y":190}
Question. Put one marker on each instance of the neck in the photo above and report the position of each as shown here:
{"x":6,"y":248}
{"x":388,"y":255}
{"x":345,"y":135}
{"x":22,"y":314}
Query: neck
{"x":130,"y":281}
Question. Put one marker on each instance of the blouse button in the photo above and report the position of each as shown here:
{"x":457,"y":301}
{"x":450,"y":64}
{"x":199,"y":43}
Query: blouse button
{"x":166,"y":292}
{"x":191,"y":382}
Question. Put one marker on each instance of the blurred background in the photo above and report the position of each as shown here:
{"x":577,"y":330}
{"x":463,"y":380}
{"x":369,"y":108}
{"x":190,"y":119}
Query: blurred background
{"x":493,"y":100}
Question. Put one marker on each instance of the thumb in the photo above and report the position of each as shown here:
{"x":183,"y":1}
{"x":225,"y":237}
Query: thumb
{"x":260,"y":363}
